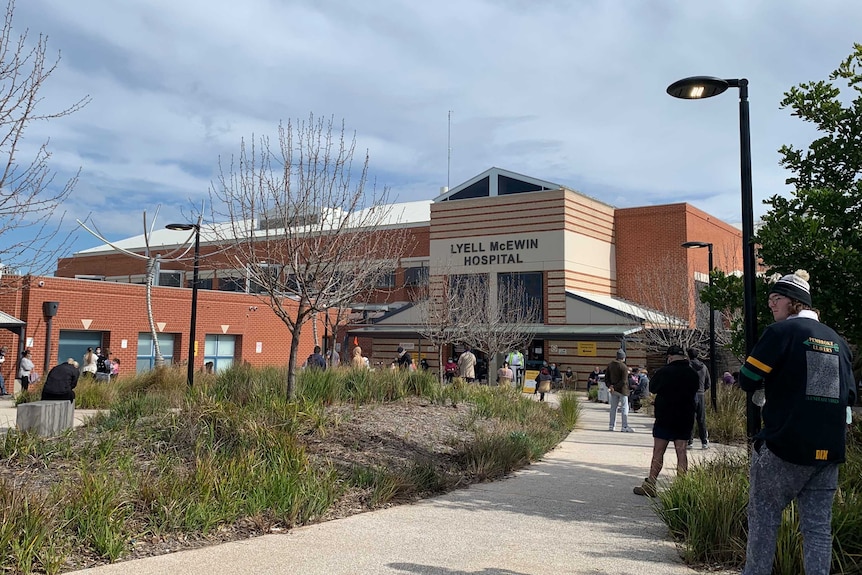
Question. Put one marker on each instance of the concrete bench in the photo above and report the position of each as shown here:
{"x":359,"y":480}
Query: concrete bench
{"x":46,"y":418}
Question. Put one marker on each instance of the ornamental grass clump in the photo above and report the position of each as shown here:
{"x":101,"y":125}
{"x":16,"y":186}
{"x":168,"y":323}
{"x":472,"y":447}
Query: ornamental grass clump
{"x":168,"y":461}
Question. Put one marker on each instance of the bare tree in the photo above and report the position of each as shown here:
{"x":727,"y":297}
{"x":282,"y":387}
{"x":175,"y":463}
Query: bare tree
{"x":675,"y":314}
{"x":497,"y":322}
{"x":29,"y":200}
{"x":441,"y":313}
{"x":308,"y":230}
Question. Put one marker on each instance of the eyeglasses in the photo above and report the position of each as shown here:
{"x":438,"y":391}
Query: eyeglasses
{"x":774,"y":298}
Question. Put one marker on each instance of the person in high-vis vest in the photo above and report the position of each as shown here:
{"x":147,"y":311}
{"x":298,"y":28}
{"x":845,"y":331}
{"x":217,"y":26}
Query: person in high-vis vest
{"x":515,"y":359}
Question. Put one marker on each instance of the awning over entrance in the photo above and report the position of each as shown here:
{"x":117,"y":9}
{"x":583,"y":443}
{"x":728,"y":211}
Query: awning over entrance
{"x":561,"y":332}
{"x":11,"y":323}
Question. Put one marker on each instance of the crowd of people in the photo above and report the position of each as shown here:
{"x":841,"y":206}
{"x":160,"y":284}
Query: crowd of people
{"x":97,"y":364}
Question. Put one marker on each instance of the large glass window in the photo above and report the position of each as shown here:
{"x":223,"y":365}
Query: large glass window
{"x":221,"y":350}
{"x":74,"y":344}
{"x":146,"y":359}
{"x":519,"y":291}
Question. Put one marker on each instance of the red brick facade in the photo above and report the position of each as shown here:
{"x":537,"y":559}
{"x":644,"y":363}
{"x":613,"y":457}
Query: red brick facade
{"x":119,"y":311}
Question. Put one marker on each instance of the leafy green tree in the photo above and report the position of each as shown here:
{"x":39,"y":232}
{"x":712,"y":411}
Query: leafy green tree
{"x":818,"y":227}
{"x":725,"y":296}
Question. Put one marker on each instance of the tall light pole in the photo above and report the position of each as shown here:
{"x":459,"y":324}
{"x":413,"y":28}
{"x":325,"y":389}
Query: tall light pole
{"x":697,"y":87}
{"x":194,"y":317}
{"x":713,"y":389}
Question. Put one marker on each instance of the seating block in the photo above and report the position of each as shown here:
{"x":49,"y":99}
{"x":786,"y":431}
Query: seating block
{"x":46,"y":418}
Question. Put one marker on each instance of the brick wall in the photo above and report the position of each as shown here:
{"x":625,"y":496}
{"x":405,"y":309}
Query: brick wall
{"x":120,"y":312}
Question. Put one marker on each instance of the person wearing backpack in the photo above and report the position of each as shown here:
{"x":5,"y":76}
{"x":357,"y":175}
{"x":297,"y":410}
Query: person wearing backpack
{"x":103,"y":365}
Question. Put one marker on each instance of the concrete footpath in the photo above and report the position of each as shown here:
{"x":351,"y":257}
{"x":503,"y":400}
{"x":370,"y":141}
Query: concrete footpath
{"x":572,"y":512}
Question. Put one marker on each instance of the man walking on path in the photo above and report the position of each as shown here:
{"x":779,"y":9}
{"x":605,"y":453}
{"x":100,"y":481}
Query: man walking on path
{"x":617,"y":379}
{"x":804,"y":370}
{"x":674,"y":386}
{"x":699,"y":399}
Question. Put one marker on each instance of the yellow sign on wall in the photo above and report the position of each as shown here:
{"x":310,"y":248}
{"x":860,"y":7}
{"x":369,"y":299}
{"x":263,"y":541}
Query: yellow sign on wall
{"x":587,"y":348}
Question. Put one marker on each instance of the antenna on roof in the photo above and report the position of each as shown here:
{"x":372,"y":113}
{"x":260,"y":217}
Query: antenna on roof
{"x":449,"y":150}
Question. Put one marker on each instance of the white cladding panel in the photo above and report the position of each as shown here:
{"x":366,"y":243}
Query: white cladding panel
{"x":524,"y":252}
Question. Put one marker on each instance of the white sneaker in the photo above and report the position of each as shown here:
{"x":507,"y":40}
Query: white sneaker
{"x":628,"y":430}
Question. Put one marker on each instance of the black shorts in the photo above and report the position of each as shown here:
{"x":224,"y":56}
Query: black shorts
{"x":669,"y":434}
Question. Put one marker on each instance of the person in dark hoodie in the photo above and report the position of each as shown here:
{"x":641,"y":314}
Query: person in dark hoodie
{"x":674,"y":386}
{"x":804,"y":371}
{"x":699,"y":399}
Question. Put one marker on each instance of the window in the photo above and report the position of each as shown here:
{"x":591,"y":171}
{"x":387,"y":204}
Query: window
{"x":231,"y":284}
{"x":170,"y":279}
{"x":206,"y":283}
{"x":416,"y":276}
{"x":74,"y":344}
{"x":385,"y":280}
{"x":221,"y":350}
{"x":527,"y":287}
{"x":273,"y":271}
{"x":146,"y":359}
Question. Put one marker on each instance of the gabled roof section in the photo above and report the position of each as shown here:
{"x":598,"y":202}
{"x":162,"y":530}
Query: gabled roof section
{"x":627,"y":309}
{"x":496,"y":182}
{"x":8,"y":321}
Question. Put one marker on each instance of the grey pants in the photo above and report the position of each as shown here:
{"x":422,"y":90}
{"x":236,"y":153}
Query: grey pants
{"x":700,"y":417}
{"x":774,"y":484}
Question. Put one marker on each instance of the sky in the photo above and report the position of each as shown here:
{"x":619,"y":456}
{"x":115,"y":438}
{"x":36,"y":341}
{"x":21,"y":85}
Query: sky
{"x":570,"y":91}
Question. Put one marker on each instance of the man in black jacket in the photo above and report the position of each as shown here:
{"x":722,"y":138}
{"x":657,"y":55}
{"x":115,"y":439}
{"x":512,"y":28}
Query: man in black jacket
{"x":803,"y":369}
{"x":674,"y":386}
{"x":61,"y":381}
{"x":700,"y":399}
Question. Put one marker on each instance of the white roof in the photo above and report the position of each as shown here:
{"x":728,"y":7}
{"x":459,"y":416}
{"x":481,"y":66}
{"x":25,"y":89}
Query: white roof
{"x":630,"y":308}
{"x":403,"y":214}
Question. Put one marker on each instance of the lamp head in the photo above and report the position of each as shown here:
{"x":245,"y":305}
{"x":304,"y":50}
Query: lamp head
{"x":697,"y":87}
{"x":697,"y":245}
{"x":181,"y":227}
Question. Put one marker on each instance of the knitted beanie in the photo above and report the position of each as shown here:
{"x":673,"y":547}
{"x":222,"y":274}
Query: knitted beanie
{"x":795,"y":286}
{"x":621,"y":355}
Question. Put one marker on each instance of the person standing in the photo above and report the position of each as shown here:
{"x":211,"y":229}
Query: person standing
{"x":543,"y":383}
{"x":103,"y":364}
{"x":804,"y":370}
{"x":617,"y":379}
{"x":89,"y":363}
{"x":357,"y":362}
{"x":674,"y":386}
{"x":25,"y":366}
{"x":467,"y":365}
{"x":61,"y":381}
{"x":450,"y":370}
{"x":3,"y":391}
{"x":515,"y":359}
{"x":334,"y":358}
{"x":316,"y":360}
{"x":700,"y":399}
{"x":403,"y":361}
{"x":505,"y":375}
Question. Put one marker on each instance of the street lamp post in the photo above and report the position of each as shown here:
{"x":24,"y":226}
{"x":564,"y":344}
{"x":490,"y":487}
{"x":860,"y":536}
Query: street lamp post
{"x":712,"y":372}
{"x":193,"y":321}
{"x":697,"y":87}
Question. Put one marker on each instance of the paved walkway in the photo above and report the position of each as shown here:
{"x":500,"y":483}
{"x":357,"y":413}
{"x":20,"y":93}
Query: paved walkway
{"x":573,"y":512}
